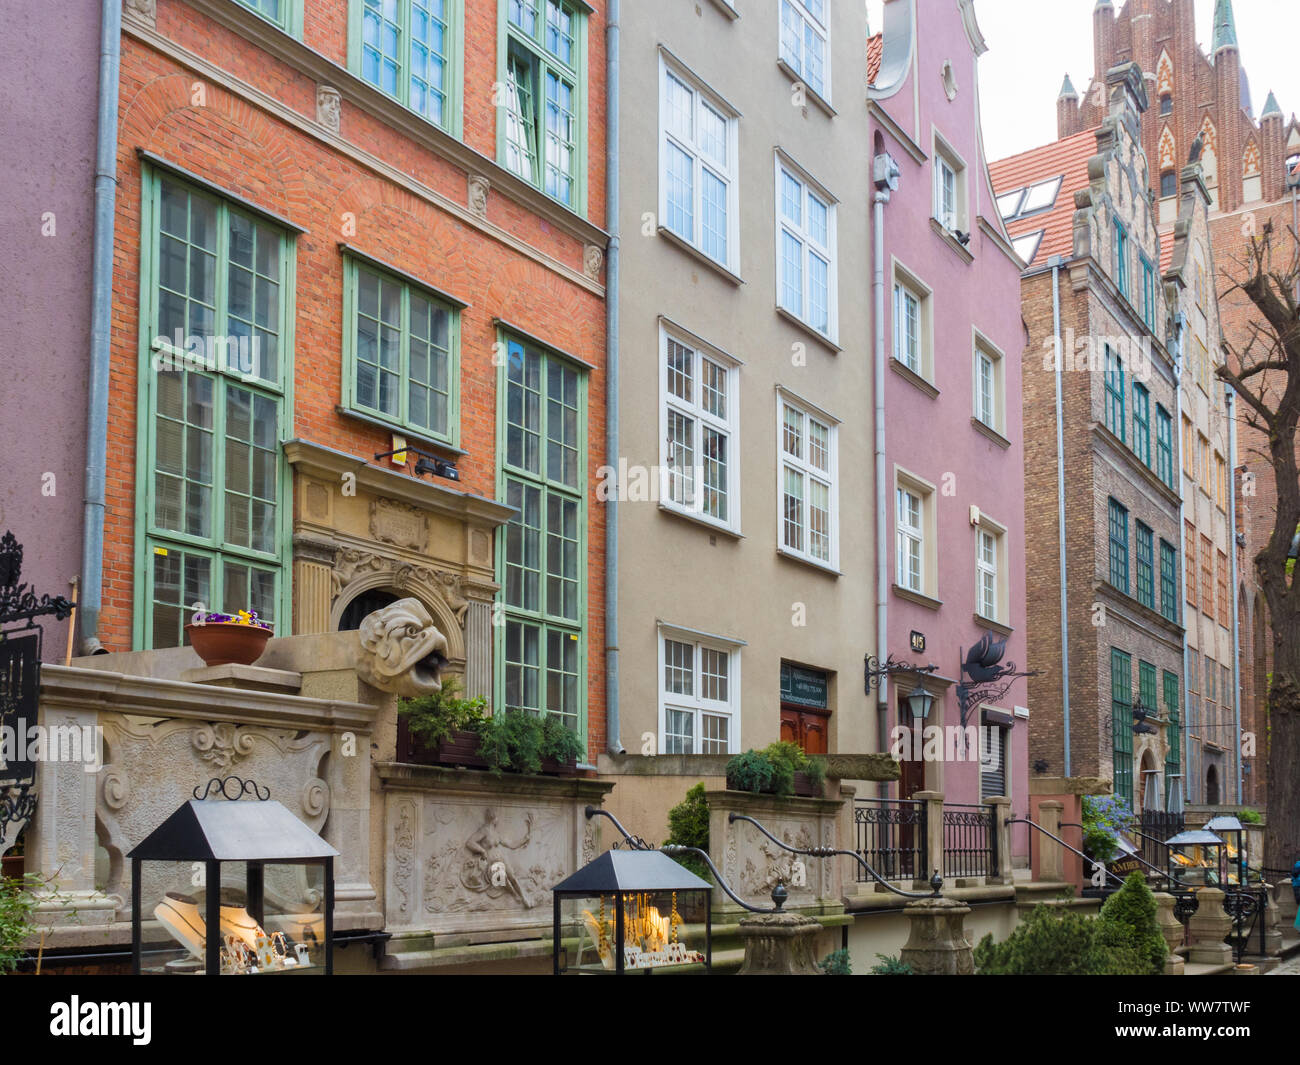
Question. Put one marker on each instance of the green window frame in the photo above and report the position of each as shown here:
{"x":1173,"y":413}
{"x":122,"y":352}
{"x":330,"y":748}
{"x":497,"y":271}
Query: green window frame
{"x":1119,"y":546}
{"x":401,"y":352}
{"x":413,"y":51}
{"x":542,"y":551}
{"x":1168,"y":581}
{"x":212,"y":521}
{"x":542,"y":96}
{"x":1114,"y":380}
{"x":1148,"y":293}
{"x":1173,"y":733}
{"x":1121,"y":707}
{"x":1146,"y":583}
{"x":1142,"y":423}
{"x":1121,"y":259}
{"x":287,"y":14}
{"x":1164,"y":446}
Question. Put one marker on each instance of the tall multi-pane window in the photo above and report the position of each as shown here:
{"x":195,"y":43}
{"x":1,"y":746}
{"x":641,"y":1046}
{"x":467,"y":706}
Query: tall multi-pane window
{"x":986,"y":388}
{"x":697,"y":166}
{"x":401,"y":356}
{"x":805,"y":234}
{"x":1225,"y":595}
{"x":1119,"y":546}
{"x":1121,"y":708}
{"x":1164,"y":446}
{"x":947,"y":208}
{"x":1121,"y":258}
{"x":804,"y":44}
{"x":212,"y":503}
{"x":1145,"y":564}
{"x":1114,"y":381}
{"x":807,"y":488}
{"x":543,"y":125}
{"x":910,"y":540}
{"x":1173,"y":734}
{"x":1148,"y":294}
{"x":1168,"y":581}
{"x":986,"y":574}
{"x":907,"y":328}
{"x":1142,"y":423}
{"x":544,"y":556}
{"x":699,"y":695}
{"x":1189,"y":541}
{"x":699,"y":458}
{"x":1207,"y":577}
{"x":1147,"y":687}
{"x":405,"y":48}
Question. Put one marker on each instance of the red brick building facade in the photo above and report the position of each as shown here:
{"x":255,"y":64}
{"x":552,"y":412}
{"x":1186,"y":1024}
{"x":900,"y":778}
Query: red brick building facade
{"x":1245,"y":161}
{"x":380,"y":184}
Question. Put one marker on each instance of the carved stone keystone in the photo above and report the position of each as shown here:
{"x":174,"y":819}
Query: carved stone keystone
{"x":779,"y":944}
{"x":937,"y":944}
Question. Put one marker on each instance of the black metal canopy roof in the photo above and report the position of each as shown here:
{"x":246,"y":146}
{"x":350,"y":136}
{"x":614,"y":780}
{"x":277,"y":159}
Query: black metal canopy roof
{"x":232,"y":831}
{"x":632,"y":871}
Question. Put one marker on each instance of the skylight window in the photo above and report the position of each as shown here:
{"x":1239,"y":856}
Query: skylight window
{"x":1041,"y":195}
{"x":1009,"y":204}
{"x":1027,"y":246}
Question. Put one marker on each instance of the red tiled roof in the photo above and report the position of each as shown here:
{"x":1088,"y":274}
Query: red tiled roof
{"x":1066,"y":159}
{"x":875,"y":51}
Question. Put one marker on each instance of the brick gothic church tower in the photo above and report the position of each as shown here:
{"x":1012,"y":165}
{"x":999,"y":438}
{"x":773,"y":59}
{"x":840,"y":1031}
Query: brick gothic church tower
{"x":1246,"y":165}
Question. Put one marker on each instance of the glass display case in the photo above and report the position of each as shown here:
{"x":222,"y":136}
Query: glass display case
{"x":245,"y":867}
{"x":1197,"y":858}
{"x":632,"y":911}
{"x":1233,"y":833}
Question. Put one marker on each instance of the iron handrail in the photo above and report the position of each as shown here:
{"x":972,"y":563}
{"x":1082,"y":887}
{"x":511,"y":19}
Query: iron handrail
{"x":1070,"y":824}
{"x":672,"y":850}
{"x":1049,"y":835}
{"x":936,"y":882}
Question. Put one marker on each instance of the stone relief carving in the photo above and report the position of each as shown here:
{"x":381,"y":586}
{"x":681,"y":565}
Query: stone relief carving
{"x":329,"y":107}
{"x":769,"y":864}
{"x":404,"y":855}
{"x":592,"y":260}
{"x":155,"y":765}
{"x":350,"y":563}
{"x":223,"y":744}
{"x":508,"y":859}
{"x":401,"y":650}
{"x":144,"y":10}
{"x":399,"y":524}
{"x":478,"y":194}
{"x":589,"y":842}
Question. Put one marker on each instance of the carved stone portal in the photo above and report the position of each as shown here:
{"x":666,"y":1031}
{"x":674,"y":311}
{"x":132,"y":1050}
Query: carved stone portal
{"x":401,"y":650}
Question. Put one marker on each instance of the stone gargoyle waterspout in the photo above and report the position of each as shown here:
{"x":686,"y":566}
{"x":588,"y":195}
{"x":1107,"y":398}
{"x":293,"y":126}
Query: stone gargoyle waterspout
{"x":402,"y":652}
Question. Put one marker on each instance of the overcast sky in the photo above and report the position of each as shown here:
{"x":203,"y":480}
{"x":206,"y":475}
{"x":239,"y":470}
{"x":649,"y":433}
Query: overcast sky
{"x":1033,"y":43}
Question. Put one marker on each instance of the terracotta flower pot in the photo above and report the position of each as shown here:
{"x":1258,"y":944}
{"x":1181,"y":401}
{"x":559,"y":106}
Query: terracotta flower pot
{"x":227,"y":643}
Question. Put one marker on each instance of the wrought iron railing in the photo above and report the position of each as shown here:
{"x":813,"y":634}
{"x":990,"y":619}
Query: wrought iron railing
{"x":969,"y":840}
{"x":891,"y":837}
{"x":1154,"y":827}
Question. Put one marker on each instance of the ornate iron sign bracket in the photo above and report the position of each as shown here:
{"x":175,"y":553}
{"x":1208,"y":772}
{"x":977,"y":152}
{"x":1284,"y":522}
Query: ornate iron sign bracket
{"x":873,"y":672}
{"x":984,"y":679}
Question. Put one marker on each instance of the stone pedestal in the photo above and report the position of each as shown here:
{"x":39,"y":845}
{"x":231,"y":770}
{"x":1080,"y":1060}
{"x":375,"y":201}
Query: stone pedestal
{"x":780,"y":944}
{"x":937,"y":944}
{"x":1284,"y":897}
{"x":1170,"y":926}
{"x":1208,"y":928}
{"x":1272,"y":930}
{"x":1051,"y":863}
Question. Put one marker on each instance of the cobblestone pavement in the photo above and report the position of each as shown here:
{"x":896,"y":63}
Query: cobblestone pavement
{"x":1290,"y":967}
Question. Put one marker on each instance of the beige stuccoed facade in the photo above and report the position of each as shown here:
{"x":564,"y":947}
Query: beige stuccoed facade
{"x":720,"y":588}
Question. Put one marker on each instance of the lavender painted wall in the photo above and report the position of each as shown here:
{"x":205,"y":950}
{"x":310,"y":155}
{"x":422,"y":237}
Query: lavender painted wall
{"x":47,"y":126}
{"x":932,"y":437}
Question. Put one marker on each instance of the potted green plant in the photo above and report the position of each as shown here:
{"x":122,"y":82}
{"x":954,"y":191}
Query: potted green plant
{"x":517,"y":741}
{"x":441,"y":728}
{"x":778,"y":769}
{"x":229,"y":639}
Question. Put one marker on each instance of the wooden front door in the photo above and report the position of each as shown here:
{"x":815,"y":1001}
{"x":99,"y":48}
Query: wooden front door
{"x":805,"y":727}
{"x":912,"y":778}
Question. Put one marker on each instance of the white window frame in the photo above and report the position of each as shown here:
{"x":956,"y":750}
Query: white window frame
{"x":905,"y":280}
{"x":808,"y":23}
{"x":729,"y":174}
{"x":947,"y":160}
{"x":808,"y":246}
{"x":987,"y":352}
{"x":701,"y":352}
{"x":695,"y":704}
{"x":988,"y":527}
{"x":925,"y":492}
{"x":913,"y":534}
{"x":803,"y":466}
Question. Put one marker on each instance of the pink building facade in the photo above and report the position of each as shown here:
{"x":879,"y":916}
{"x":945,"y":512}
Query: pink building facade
{"x":952,"y":337}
